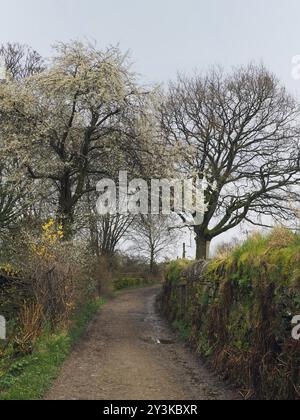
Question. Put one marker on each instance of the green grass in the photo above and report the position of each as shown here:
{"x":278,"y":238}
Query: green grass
{"x":175,"y":269}
{"x":183,"y":330}
{"x":30,"y":377}
{"x":133,"y":283}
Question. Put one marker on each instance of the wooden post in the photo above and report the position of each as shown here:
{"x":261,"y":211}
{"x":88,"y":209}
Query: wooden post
{"x":184,"y":251}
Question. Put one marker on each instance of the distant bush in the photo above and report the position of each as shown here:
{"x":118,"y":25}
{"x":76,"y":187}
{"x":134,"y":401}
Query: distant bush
{"x":238,"y":309}
{"x":129,"y":282}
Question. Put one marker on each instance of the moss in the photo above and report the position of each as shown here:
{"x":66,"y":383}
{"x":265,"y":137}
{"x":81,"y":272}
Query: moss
{"x":175,"y":269}
{"x":239,"y":313}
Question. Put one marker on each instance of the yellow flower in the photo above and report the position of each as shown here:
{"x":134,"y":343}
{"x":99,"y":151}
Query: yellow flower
{"x":52,"y":233}
{"x":49,"y":225}
{"x":7,"y":269}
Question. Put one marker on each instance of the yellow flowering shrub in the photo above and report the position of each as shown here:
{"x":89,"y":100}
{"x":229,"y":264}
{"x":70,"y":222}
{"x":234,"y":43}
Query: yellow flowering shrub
{"x":52,"y":231}
{"x":8,"y":269}
{"x":52,"y":234}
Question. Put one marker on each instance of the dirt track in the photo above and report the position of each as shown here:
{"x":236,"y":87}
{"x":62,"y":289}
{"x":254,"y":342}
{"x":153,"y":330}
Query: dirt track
{"x":129,"y":353}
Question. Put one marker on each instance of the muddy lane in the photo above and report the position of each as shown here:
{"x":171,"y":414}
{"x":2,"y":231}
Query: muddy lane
{"x":129,"y":353}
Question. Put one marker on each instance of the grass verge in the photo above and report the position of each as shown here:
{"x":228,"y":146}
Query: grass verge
{"x":30,"y":377}
{"x":128,"y":283}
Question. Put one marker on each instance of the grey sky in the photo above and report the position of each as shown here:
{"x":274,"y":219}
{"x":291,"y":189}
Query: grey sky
{"x":165,"y":36}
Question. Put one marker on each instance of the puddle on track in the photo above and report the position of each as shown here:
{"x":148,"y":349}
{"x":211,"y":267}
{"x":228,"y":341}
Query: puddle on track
{"x":160,"y":331}
{"x":158,"y":341}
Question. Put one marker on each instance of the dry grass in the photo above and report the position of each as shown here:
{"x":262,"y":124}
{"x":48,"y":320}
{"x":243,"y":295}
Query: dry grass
{"x":30,"y":328}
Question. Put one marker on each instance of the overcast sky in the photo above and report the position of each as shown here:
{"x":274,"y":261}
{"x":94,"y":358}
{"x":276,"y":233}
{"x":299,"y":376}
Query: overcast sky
{"x":166,"y":36}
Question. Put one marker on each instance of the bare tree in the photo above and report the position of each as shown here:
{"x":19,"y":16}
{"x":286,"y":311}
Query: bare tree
{"x":103,"y":232}
{"x":106,"y":232}
{"x":152,"y":237}
{"x":21,"y":61}
{"x":238,"y":131}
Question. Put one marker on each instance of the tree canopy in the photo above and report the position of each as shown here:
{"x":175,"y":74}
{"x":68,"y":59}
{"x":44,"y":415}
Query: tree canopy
{"x":240,"y":131}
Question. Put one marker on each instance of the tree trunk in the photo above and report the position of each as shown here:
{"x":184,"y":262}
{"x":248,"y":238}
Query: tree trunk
{"x":66,"y":218}
{"x":66,"y":210}
{"x":203,"y":247}
{"x":67,"y":221}
{"x":94,"y":237}
{"x":152,"y":262}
